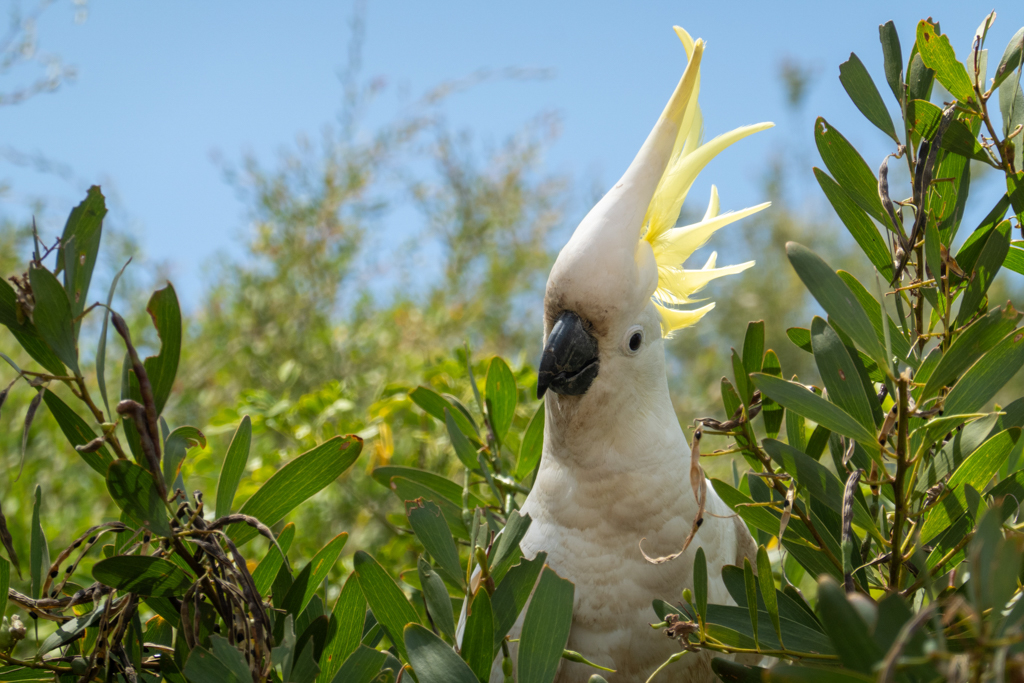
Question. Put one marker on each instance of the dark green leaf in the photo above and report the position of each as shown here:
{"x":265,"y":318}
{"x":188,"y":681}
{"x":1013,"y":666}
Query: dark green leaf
{"x":444,"y":488}
{"x":408,"y":490}
{"x":142,"y":574}
{"x":176,"y":445}
{"x":924,"y":118}
{"x":861,"y":89}
{"x":1011,"y":106}
{"x":362,"y":666}
{"x":233,"y":659}
{"x":80,"y":244}
{"x":789,"y":673}
{"x":846,"y":629}
{"x":840,"y":375}
{"x":463,"y":448}
{"x":77,"y":432}
{"x":990,"y":260}
{"x":439,"y":603}
{"x":546,"y":629}
{"x":753,"y":346}
{"x":1011,"y":58}
{"x":101,"y":350}
{"x":512,"y":593}
{"x":900,"y":345}
{"x":52,"y":316}
{"x":389,"y":605}
{"x":313,"y":574}
{"x":767,"y":581}
{"x":266,"y":571}
{"x":25,"y":332}
{"x":750,"y":583}
{"x":344,"y":631}
{"x":234,"y":466}
{"x":849,"y":169}
{"x":70,"y":630}
{"x":297,"y":481}
{"x":731,"y":672}
{"x":743,"y":386}
{"x":836,"y":298}
{"x":5,"y":583}
{"x":800,"y":336}
{"x":135,"y":492}
{"x":700,"y":583}
{"x":432,"y":531}
{"x":500,"y":396}
{"x":919,"y":79}
{"x":507,"y":551}
{"x":434,"y":405}
{"x":770,"y":410}
{"x":947,"y":200}
{"x":205,"y":667}
{"x":987,"y":376}
{"x":969,"y":345}
{"x":432,"y":659}
{"x":532,"y":446}
{"x":478,"y":641}
{"x":938,"y":55}
{"x":166,"y":314}
{"x":857,"y":222}
{"x":39,"y":551}
{"x":893,"y":57}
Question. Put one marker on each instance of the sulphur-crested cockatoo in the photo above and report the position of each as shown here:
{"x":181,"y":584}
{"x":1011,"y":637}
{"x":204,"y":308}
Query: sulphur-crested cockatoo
{"x":616,"y":465}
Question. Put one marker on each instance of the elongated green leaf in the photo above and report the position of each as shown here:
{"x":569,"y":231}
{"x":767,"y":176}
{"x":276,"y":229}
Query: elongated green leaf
{"x":101,"y":349}
{"x":507,"y":551}
{"x":924,"y":118}
{"x":770,"y":410}
{"x":313,"y":574}
{"x":204,"y":666}
{"x":69,"y":631}
{"x":939,"y":56}
{"x":142,"y":574}
{"x":80,"y":244}
{"x":743,"y":387}
{"x":900,"y":345}
{"x":861,"y":89}
{"x":77,"y":432}
{"x":893,"y":58}
{"x":753,"y":346}
{"x":975,"y":471}
{"x":750,"y":583}
{"x":408,"y":490}
{"x":1015,"y":260}
{"x":849,"y":169}
{"x":344,"y":631}
{"x":840,"y":375}
{"x":846,"y":629}
{"x":545,"y":629}
{"x":135,"y":492}
{"x":39,"y":551}
{"x":444,"y":488}
{"x":970,"y":345}
{"x":362,"y":666}
{"x":166,"y":314}
{"x":801,"y":337}
{"x":439,"y":603}
{"x":788,"y":673}
{"x":947,"y":201}
{"x":431,"y":529}
{"x":176,"y":445}
{"x":52,"y":316}
{"x":836,"y":298}
{"x":1010,"y":59}
{"x":434,"y":404}
{"x":794,"y":397}
{"x":478,"y":641}
{"x":990,"y":260}
{"x":432,"y":659}
{"x":266,"y":571}
{"x":234,"y":466}
{"x":764,"y":577}
{"x":463,"y":448}
{"x":512,"y":593}
{"x":389,"y":605}
{"x":987,"y":376}
{"x":700,"y":583}
{"x":857,"y":222}
{"x":5,"y":583}
{"x":25,"y":332}
{"x":532,"y":446}
{"x":297,"y":481}
{"x":500,"y":396}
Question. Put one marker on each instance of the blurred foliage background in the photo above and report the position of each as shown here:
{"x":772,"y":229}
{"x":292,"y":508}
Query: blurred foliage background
{"x":322,"y":327}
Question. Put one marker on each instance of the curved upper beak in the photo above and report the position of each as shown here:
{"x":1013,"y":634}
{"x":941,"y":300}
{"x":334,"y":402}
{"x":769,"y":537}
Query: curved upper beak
{"x":570,"y":362}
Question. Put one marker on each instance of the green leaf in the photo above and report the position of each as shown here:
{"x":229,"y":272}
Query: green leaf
{"x":408,"y":490}
{"x":861,"y":89}
{"x":434,"y":405}
{"x":765,"y":578}
{"x":893,"y":57}
{"x":432,"y":531}
{"x":1015,"y":260}
{"x":52,"y":316}
{"x":166,"y":314}
{"x":507,"y":551}
{"x":857,"y":222}
{"x":142,"y":574}
{"x":512,"y":594}
{"x":478,"y":641}
{"x":439,"y":603}
{"x":389,"y":605}
{"x":753,"y":346}
{"x":947,"y":200}
{"x":771,"y":411}
{"x":750,"y":584}
{"x":924,"y":118}
{"x":313,"y":574}
{"x":442,"y":487}
{"x":135,"y":492}
{"x":432,"y":659}
{"x":532,"y":446}
{"x":80,"y":244}
{"x":840,"y":375}
{"x":205,"y":667}
{"x":1010,"y":60}
{"x":990,"y":260}
{"x":700,"y":583}
{"x":789,"y":673}
{"x":969,"y":345}
{"x":344,"y":631}
{"x":836,"y":298}
{"x":25,"y":332}
{"x":266,"y":571}
{"x":500,"y":395}
{"x":545,"y":629}
{"x":900,"y":345}
{"x":233,"y":467}
{"x":987,"y":376}
{"x":968,"y":254}
{"x":975,"y":471}
{"x":101,"y":350}
{"x":463,"y":448}
{"x":846,"y":629}
{"x":743,"y":387}
{"x":297,"y":481}
{"x":919,"y":78}
{"x":362,"y":666}
{"x":851,"y":172}
{"x":39,"y":551}
{"x":176,"y":445}
{"x":77,"y":432}
{"x":795,"y":398}
{"x":70,"y":630}
{"x":939,"y":56}
{"x":5,"y":583}
{"x":801,"y":337}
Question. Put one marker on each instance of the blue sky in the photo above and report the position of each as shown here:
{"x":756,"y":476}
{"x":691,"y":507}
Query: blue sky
{"x":163,"y":87}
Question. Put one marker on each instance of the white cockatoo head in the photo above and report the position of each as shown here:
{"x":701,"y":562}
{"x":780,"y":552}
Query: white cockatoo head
{"x":619,"y":286}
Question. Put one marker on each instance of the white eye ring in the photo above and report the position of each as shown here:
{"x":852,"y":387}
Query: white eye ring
{"x":633,"y":341}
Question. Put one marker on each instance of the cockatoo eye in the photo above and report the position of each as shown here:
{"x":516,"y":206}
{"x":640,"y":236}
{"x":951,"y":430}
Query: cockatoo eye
{"x":634,"y":340}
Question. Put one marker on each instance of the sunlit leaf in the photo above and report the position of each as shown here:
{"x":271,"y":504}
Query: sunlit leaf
{"x":145,"y":575}
{"x":233,"y":467}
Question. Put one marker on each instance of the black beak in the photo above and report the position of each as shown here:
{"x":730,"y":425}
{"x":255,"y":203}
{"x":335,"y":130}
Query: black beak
{"x":569,"y":362}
